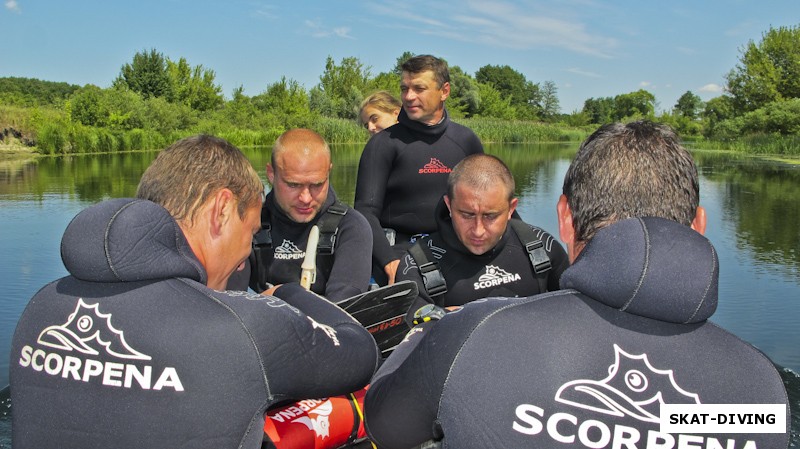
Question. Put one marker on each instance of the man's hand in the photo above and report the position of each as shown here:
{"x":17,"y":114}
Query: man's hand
{"x":391,"y":270}
{"x":270,"y":291}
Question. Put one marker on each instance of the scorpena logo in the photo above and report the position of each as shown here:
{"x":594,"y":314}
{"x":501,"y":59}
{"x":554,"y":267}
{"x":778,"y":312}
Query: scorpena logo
{"x":495,"y":276}
{"x":89,"y":333}
{"x":289,"y":251}
{"x":634,"y":388}
{"x":435,"y":166}
{"x":318,"y":419}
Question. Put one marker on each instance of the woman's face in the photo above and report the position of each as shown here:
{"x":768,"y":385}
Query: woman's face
{"x":376,"y":120}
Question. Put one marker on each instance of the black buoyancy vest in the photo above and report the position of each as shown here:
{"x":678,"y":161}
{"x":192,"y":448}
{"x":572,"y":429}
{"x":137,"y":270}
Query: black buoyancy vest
{"x":433,"y":278}
{"x":328,"y":225}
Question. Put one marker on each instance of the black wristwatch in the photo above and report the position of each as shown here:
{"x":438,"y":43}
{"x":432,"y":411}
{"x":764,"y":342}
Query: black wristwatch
{"x":428,"y":312}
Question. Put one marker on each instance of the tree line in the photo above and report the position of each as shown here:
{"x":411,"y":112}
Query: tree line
{"x":157,"y":96}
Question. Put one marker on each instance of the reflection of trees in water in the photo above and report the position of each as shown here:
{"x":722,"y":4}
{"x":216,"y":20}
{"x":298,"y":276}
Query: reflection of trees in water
{"x":531,"y":164}
{"x":16,"y":174}
{"x":762,"y":199}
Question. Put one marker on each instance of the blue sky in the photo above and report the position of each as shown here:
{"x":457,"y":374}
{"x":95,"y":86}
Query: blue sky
{"x":589,"y":48}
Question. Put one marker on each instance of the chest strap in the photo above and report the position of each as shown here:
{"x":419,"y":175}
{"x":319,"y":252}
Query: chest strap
{"x":432,"y":277}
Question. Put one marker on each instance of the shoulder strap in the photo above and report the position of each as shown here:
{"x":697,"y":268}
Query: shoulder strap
{"x":432,"y":276}
{"x":262,"y":244}
{"x":328,"y":225}
{"x":540,"y":261}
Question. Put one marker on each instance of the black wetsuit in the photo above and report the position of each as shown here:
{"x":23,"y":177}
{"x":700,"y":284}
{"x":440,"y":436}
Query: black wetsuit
{"x":586,"y":366}
{"x":341,"y":275}
{"x":132,"y":350}
{"x":505,"y":270}
{"x":402,"y":175}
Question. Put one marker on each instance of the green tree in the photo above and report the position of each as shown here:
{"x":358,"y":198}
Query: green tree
{"x":550,"y":104}
{"x":639,"y":104}
{"x":599,"y":110}
{"x":194,"y":87}
{"x":344,"y":85}
{"x":398,"y":70}
{"x":523,"y":94}
{"x":287,"y":101}
{"x":767,"y":71}
{"x":688,"y":105}
{"x":716,"y":110}
{"x":465,"y":96}
{"x":146,"y":75}
{"x":494,"y":104}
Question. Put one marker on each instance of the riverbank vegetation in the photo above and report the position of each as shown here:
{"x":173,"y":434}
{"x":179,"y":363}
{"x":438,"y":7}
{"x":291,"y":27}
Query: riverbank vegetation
{"x":156,"y":100}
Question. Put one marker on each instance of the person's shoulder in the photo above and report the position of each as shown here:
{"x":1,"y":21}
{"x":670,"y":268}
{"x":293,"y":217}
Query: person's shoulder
{"x":356,"y":219}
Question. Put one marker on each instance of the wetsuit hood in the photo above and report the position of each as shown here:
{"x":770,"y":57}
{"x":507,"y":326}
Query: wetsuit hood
{"x":124,"y":240}
{"x":662,"y":270}
{"x":421,"y":128}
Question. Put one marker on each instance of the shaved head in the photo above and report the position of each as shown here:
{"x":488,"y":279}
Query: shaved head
{"x":480,"y":172}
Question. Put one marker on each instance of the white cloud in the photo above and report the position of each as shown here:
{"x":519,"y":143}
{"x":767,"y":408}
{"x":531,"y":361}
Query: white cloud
{"x":711,"y":87}
{"x":586,"y":73}
{"x":12,"y":5}
{"x":645,"y":84}
{"x":318,"y":30}
{"x":501,"y":23}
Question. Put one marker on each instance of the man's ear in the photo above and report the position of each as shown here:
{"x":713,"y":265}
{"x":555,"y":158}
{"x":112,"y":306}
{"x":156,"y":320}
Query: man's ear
{"x":513,"y":207}
{"x":445,"y":91}
{"x":565,"y":228}
{"x":222,"y":208}
{"x":447,"y":203}
{"x":271,"y":174}
{"x":699,"y":222}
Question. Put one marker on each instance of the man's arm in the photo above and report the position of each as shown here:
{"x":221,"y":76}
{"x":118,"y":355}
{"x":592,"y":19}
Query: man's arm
{"x":352,"y":266}
{"x":322,"y":351}
{"x":402,"y":403}
{"x":374,"y":169}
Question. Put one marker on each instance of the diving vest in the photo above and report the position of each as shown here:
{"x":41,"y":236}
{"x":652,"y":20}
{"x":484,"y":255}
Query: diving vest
{"x":433,"y":278}
{"x":328,"y":225}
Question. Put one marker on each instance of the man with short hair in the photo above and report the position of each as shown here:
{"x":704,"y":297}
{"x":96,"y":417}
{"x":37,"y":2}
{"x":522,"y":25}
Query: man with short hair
{"x":403,"y":170}
{"x":140,"y":347}
{"x":302,"y":197}
{"x":591,"y":365}
{"x":479,"y":250}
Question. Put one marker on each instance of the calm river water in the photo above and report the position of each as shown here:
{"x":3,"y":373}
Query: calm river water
{"x":753,"y":210}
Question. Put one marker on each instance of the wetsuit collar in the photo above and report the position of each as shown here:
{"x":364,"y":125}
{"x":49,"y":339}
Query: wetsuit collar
{"x":126,"y":240}
{"x":649,"y":267}
{"x":432,"y":130}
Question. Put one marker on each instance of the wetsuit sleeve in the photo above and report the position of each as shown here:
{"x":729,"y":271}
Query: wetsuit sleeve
{"x":374,"y":169}
{"x":325,"y":351}
{"x":402,"y":402}
{"x":352,"y":265}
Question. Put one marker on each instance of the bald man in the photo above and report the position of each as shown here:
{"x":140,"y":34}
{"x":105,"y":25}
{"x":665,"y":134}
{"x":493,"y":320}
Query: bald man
{"x":301,"y":197}
{"x":479,"y":250}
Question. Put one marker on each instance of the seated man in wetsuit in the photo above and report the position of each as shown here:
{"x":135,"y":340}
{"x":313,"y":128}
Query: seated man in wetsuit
{"x":591,"y":364}
{"x":141,"y":347}
{"x":480,"y":250}
{"x":301,"y":197}
{"x":403,"y":170}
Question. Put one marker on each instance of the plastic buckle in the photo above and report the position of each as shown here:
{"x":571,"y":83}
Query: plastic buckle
{"x":432,"y":277}
{"x":263,"y":238}
{"x":538,"y":256}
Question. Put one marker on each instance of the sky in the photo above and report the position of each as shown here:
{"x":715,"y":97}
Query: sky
{"x":588,"y":48}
